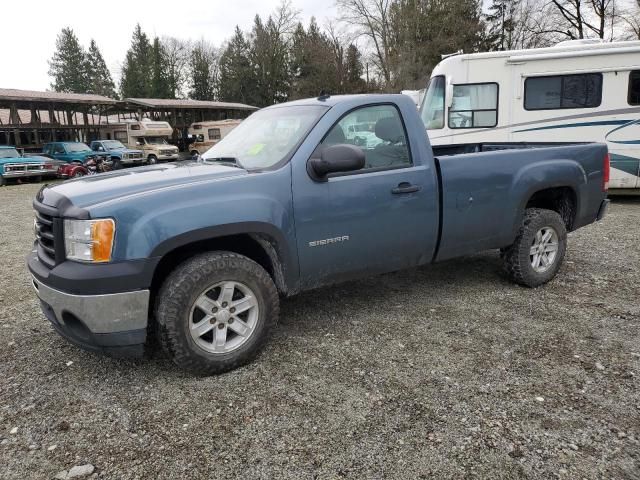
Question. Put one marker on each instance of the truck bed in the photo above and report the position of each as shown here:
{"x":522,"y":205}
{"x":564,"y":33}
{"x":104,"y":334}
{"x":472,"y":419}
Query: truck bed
{"x":481,"y":209}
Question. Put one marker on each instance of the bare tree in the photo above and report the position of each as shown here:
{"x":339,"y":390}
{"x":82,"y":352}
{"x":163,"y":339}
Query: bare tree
{"x":177,"y":55}
{"x":372,"y":20}
{"x":630,"y":20}
{"x":581,"y":17}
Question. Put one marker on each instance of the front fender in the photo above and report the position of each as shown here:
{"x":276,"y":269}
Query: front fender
{"x":151,"y":224}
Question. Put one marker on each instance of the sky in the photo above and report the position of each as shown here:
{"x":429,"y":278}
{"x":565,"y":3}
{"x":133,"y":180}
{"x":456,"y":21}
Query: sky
{"x":35,"y":25}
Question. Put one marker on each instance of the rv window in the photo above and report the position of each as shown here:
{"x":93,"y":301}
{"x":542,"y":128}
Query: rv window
{"x":634,"y":88}
{"x":135,"y":127}
{"x":563,"y":91}
{"x":432,"y":109}
{"x":474,"y":106}
{"x":214,"y":134}
{"x":120,"y":135}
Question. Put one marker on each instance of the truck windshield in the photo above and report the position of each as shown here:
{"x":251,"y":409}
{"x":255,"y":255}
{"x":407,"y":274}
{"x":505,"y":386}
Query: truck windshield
{"x":9,"y":153}
{"x":113,"y":145}
{"x":432,"y":109}
{"x":77,"y":147}
{"x":155,"y":140}
{"x":267,"y":137}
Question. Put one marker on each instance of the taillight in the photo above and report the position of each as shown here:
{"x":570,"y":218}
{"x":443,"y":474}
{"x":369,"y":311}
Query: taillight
{"x":606,"y":171}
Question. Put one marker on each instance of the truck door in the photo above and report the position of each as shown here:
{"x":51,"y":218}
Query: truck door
{"x":381,"y":218}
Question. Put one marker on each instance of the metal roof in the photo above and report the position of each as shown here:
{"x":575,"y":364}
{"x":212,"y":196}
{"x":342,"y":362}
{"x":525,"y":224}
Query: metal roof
{"x":188,"y":104}
{"x":12,"y":94}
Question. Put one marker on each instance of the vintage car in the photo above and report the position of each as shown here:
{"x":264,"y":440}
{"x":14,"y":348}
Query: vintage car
{"x":72,"y":152}
{"x":120,"y":155}
{"x":15,"y":165}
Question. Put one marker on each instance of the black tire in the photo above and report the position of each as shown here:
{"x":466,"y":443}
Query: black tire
{"x":3,"y":181}
{"x":152,"y":160}
{"x":116,"y":164}
{"x":517,"y":259}
{"x":194,"y":153}
{"x":78,"y":174}
{"x":182,"y":288}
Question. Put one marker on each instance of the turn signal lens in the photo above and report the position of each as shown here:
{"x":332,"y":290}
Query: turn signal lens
{"x":102,"y":239}
{"x":89,"y":240}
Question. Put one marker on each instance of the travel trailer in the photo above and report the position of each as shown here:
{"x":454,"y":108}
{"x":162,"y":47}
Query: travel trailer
{"x":207,"y":134}
{"x":576,"y":91}
{"x":149,"y":136}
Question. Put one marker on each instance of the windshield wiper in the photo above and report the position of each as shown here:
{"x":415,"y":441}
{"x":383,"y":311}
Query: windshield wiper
{"x":231,"y":161}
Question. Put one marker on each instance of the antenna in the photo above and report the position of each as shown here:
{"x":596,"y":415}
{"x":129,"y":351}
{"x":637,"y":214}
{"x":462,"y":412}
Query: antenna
{"x":323,"y":95}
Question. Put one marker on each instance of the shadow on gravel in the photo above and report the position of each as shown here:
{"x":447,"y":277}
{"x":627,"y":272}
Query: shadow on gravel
{"x":625,"y":199}
{"x":311,"y":313}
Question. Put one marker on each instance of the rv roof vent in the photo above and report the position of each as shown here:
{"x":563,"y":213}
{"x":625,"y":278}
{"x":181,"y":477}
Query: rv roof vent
{"x":581,"y":41}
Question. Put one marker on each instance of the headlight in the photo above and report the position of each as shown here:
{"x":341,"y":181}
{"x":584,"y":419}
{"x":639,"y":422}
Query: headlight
{"x":89,"y":240}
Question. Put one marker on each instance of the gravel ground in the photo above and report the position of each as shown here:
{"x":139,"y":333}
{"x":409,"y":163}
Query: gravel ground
{"x":446,"y":372}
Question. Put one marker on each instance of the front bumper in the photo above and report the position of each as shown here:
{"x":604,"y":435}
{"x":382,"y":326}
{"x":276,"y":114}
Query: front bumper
{"x":42,"y":172}
{"x":133,"y":161}
{"x":112,"y":323}
{"x":173,"y":156}
{"x":604,"y":208}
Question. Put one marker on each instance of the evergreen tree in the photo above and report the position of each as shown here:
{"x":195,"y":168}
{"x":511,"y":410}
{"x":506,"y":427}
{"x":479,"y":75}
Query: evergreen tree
{"x":68,"y":64}
{"x":160,"y":87}
{"x":237,"y":77}
{"x":501,"y":20}
{"x":99,"y":78}
{"x":316,"y":64}
{"x":270,"y":58}
{"x":354,"y":83}
{"x":425,"y":29}
{"x":137,"y":71}
{"x":202,"y":72}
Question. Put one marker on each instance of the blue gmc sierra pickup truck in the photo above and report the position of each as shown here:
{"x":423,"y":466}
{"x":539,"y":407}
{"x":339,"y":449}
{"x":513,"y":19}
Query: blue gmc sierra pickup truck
{"x":199,"y":253}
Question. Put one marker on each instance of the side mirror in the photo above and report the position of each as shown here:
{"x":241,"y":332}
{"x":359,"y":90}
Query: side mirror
{"x":335,"y":159}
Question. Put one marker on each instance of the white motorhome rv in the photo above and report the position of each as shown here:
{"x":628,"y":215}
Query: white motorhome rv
{"x":208,"y":133}
{"x":147,"y":135}
{"x":577,"y":91}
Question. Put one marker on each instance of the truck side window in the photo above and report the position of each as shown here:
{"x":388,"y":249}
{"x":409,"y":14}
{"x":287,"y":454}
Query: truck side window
{"x":634,"y":88}
{"x":563,"y":91}
{"x":379,"y":131}
{"x":58,"y":149}
{"x":474,"y":105}
{"x":432,"y":109}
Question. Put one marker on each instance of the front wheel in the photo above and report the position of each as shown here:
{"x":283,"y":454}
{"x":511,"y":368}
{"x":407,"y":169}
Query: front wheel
{"x":214,"y":312}
{"x":116,"y":164}
{"x":536,"y":255}
{"x":152,"y":160}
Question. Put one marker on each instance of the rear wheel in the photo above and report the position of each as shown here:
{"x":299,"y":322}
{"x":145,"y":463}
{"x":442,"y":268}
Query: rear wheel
{"x":78,"y":173}
{"x":214,"y":312}
{"x":152,"y":160}
{"x":538,"y":251}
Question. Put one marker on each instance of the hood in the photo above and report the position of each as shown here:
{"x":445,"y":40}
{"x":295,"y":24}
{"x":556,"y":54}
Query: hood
{"x":94,"y":189}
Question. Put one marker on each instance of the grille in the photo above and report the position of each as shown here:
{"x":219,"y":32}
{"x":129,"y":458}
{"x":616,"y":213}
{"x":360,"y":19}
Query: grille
{"x":48,"y":231}
{"x":166,"y":152}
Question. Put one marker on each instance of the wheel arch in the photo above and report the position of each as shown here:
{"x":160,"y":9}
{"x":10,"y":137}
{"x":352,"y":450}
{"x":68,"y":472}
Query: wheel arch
{"x":263,"y":247}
